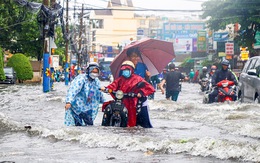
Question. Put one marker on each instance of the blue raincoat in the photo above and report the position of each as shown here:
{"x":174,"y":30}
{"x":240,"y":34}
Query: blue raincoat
{"x":84,"y":96}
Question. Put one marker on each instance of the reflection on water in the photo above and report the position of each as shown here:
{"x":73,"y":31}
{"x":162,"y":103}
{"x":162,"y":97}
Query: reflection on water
{"x":184,"y":131}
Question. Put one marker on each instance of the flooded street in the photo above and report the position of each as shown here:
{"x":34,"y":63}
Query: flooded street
{"x":184,"y":131}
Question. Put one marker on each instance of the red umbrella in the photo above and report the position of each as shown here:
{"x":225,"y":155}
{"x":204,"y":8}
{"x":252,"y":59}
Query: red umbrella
{"x":156,"y":54}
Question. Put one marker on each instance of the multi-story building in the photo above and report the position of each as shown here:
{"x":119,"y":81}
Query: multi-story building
{"x":118,"y":25}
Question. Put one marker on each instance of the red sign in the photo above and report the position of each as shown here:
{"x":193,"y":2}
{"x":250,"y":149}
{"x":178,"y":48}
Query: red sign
{"x":229,"y":48}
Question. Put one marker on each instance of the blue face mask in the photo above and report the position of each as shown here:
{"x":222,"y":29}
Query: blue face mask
{"x":126,"y":73}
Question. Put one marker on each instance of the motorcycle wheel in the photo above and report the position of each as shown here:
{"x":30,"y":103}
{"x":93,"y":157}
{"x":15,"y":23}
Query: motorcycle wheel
{"x":124,"y":118}
{"x":115,"y":120}
{"x":106,"y":116}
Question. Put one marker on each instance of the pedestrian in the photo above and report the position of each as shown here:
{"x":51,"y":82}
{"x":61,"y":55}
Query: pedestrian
{"x":219,"y":75}
{"x":83,"y":98}
{"x":134,"y":55}
{"x":191,"y":75}
{"x":127,"y":82}
{"x":155,"y":81}
{"x":172,"y":80}
{"x":196,"y":76}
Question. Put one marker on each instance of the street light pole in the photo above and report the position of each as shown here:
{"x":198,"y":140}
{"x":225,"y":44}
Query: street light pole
{"x":67,"y":45}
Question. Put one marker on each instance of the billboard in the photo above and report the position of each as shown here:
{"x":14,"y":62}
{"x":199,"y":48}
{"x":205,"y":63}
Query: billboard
{"x":202,"y":41}
{"x":183,"y":35}
{"x":185,"y":45}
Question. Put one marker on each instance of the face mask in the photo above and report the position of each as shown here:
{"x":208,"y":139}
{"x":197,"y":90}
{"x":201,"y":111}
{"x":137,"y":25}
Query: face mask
{"x":213,"y":70}
{"x":93,"y":75}
{"x":126,"y":73}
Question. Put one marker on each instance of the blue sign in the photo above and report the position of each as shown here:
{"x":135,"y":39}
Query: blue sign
{"x":220,"y":37}
{"x":182,"y":30}
{"x":140,"y":32}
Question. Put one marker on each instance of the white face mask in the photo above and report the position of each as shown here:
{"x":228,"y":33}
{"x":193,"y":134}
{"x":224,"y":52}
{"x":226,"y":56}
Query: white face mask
{"x":93,"y":75}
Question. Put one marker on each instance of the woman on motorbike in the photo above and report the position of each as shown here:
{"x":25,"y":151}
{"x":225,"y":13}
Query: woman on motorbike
{"x":127,"y":82}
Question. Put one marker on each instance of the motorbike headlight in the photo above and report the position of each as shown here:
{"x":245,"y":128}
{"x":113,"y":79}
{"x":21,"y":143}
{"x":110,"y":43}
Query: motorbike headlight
{"x":119,"y":94}
{"x":225,"y":84}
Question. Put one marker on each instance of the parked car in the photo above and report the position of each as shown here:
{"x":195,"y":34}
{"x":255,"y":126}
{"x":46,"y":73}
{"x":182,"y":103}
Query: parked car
{"x":249,"y":81}
{"x":10,"y":76}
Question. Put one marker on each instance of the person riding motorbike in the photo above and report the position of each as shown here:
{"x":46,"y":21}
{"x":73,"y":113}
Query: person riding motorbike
{"x":210,"y":74}
{"x":219,"y":75}
{"x":212,"y":71}
{"x":127,"y":82}
{"x":203,"y":76}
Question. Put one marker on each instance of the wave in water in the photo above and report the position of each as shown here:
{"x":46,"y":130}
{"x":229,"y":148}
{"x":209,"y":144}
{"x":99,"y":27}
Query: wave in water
{"x":144,"y":140}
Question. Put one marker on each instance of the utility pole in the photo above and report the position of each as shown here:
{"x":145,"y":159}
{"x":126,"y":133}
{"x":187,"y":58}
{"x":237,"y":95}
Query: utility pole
{"x":80,"y":39}
{"x":67,"y":45}
{"x":46,"y":55}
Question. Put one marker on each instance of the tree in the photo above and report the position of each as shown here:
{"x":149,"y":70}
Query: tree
{"x":2,"y":73}
{"x":60,"y":43}
{"x":223,"y":12}
{"x":22,"y":66}
{"x":19,"y":31}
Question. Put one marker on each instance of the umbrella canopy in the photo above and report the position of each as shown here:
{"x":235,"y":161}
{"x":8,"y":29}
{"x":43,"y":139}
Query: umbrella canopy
{"x":156,"y":54}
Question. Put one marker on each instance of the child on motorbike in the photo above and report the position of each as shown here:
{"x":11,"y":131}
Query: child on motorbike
{"x":127,"y":82}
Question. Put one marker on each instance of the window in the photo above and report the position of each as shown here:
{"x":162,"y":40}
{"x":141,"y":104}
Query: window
{"x":246,"y":66}
{"x":252,"y":64}
{"x":257,"y":64}
{"x":97,"y":23}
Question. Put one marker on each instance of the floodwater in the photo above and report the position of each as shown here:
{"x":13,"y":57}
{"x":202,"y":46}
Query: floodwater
{"x":187,"y":131}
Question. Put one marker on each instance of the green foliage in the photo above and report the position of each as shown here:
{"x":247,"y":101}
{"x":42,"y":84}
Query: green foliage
{"x":19,"y":30}
{"x":208,"y":63}
{"x":224,"y":12}
{"x":2,"y":73}
{"x":188,"y":63}
{"x":22,"y":66}
{"x":60,"y":43}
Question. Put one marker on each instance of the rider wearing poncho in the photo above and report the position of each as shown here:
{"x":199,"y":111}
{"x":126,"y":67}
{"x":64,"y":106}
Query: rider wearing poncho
{"x":127,"y":82}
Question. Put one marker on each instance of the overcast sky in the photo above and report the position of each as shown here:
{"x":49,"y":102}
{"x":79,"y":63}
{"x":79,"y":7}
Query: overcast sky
{"x":148,"y":4}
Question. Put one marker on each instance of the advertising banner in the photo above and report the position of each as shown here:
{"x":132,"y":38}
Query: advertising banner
{"x":229,"y":48}
{"x":257,"y":39}
{"x":183,"y":35}
{"x":183,"y":45}
{"x":202,"y":41}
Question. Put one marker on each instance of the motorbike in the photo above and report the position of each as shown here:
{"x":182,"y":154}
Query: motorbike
{"x":226,"y":92}
{"x":204,"y":84}
{"x":115,"y":112}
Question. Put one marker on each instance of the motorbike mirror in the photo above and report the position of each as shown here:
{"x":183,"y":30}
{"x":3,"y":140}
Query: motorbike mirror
{"x":140,"y":85}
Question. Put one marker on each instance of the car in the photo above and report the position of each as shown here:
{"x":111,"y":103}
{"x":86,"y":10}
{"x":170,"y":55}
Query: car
{"x":10,"y":76}
{"x":249,"y":81}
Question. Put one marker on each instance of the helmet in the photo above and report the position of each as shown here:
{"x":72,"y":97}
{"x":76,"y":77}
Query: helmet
{"x":225,"y":62}
{"x":92,"y":65}
{"x":204,"y":68}
{"x":128,"y":63}
{"x":172,"y":66}
{"x":213,"y":67}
